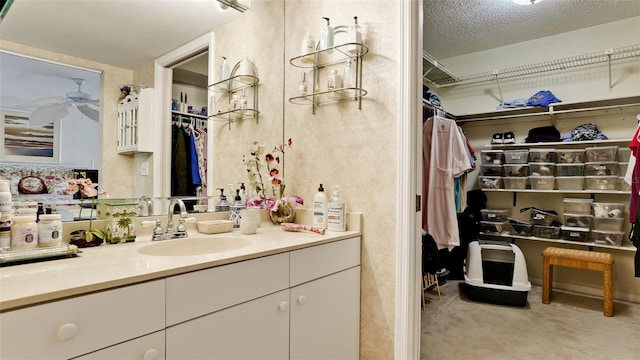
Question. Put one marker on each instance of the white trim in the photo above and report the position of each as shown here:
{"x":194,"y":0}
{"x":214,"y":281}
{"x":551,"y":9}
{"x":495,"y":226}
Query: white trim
{"x":408,"y":265}
{"x":162,"y":108}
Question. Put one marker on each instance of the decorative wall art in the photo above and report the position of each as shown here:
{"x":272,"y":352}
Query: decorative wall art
{"x":23,"y":142}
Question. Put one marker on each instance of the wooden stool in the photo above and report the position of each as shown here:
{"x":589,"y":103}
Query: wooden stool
{"x":581,"y":259}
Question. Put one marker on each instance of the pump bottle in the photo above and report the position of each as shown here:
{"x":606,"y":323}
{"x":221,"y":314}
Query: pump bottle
{"x":223,"y":204}
{"x":320,"y":209}
{"x":326,"y":36}
{"x":307,"y":46}
{"x":336,"y":220}
{"x":223,"y":74}
{"x":234,"y":210}
{"x":354,"y":35}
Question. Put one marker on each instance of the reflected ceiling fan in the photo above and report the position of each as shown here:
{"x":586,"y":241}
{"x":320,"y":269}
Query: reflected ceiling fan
{"x":48,"y":109}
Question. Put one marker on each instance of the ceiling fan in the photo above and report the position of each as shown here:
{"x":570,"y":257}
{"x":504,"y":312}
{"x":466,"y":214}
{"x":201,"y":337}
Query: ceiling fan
{"x":48,"y":109}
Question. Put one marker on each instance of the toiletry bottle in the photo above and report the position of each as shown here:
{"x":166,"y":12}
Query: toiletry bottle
{"x":223,"y":204}
{"x":243,"y":101}
{"x":349,"y":78}
{"x":326,"y":36}
{"x":302,"y":87}
{"x":334,"y":82}
{"x":354,"y":35}
{"x":243,"y":193}
{"x":307,"y":46}
{"x":320,"y":209}
{"x":6,"y":204}
{"x":223,"y":74}
{"x":234,"y":210}
{"x":336,"y":211}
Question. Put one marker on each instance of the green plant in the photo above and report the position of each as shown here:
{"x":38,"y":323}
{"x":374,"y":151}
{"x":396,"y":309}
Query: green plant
{"x":87,"y":189}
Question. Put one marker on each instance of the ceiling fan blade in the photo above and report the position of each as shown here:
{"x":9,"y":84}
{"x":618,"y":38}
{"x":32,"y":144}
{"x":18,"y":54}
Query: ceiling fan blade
{"x":47,"y":114}
{"x":40,"y":102}
{"x":89,"y":112}
{"x":93,"y":102}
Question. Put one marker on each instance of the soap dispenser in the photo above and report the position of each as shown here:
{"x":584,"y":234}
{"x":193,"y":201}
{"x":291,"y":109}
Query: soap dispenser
{"x":223,"y":74}
{"x":223,"y":204}
{"x":336,"y":211}
{"x":320,"y":209}
{"x":354,"y":36}
{"x":326,"y":36}
{"x":234,"y":210}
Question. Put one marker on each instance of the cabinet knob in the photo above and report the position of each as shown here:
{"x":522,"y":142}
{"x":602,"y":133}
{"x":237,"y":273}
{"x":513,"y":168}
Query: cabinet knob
{"x":67,"y":331}
{"x":150,"y":354}
{"x":302,"y":299}
{"x":284,"y":306}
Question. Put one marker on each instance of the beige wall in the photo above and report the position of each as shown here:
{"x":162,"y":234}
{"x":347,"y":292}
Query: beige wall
{"x":116,"y":176}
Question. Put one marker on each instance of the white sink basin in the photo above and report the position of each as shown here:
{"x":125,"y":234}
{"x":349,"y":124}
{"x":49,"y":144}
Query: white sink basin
{"x":197,"y":246}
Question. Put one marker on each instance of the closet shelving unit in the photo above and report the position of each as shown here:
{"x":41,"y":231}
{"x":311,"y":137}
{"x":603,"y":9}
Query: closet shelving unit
{"x":338,"y":54}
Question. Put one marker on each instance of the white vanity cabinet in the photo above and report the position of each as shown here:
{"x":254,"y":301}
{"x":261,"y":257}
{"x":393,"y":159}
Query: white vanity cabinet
{"x":80,"y":325}
{"x":149,"y":347}
{"x":301,"y":304}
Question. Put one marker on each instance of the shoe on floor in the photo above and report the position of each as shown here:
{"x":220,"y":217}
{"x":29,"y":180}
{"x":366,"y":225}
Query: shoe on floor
{"x":496,"y":138}
{"x":508,"y":138}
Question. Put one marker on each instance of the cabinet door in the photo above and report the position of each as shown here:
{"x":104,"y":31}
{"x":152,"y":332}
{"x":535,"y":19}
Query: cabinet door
{"x":76,"y":326}
{"x":258,"y":329}
{"x":325,"y":317}
{"x":150,"y":347}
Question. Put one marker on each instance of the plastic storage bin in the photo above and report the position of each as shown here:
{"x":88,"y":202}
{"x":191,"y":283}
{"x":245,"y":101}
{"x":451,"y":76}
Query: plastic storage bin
{"x":622,"y":168}
{"x":492,"y":157}
{"x":577,"y":206}
{"x":600,"y":154}
{"x":569,"y":156}
{"x":495,"y":214}
{"x":542,"y":182}
{"x":542,"y":155}
{"x":570,"y":169}
{"x":516,"y":156}
{"x":570,"y":182}
{"x":542,"y":169}
{"x":608,"y":224}
{"x":491,"y":170}
{"x":611,"y":183}
{"x":516,"y":170}
{"x":624,"y":154}
{"x":496,"y":272}
{"x":601,"y":168}
{"x":624,"y":186}
{"x":520,"y":228}
{"x":517,"y":183}
{"x":547,"y":232}
{"x":607,"y":237}
{"x":601,"y":209}
{"x":541,"y":217}
{"x":490,"y":182}
{"x":495,"y":227}
{"x":578,"y":220}
{"x":574,"y":233}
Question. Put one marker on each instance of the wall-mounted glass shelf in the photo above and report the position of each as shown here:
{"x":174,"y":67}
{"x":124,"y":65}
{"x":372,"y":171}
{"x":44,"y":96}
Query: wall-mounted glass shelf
{"x":234,"y":83}
{"x":324,"y":97}
{"x":235,"y":114}
{"x":333,"y":55}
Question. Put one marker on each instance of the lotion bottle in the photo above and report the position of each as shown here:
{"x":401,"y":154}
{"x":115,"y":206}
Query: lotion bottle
{"x":320,"y":209}
{"x":234,"y":210}
{"x":223,"y":74}
{"x":336,"y":216}
{"x":354,"y":35}
{"x":326,"y":36}
{"x":223,"y":204}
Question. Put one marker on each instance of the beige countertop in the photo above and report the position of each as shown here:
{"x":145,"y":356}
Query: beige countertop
{"x":108,"y":266}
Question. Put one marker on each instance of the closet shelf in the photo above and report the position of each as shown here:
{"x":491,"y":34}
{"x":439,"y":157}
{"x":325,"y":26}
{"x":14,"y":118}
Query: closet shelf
{"x":610,"y":192}
{"x":188,"y":115}
{"x":589,"y":244}
{"x":572,"y":62}
{"x":560,"y":143}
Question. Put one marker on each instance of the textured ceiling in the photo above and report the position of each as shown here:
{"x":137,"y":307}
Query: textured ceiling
{"x":457,"y":27}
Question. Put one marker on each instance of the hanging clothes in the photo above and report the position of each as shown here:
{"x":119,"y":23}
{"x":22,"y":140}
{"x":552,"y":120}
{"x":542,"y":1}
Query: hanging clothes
{"x":444,"y":158}
{"x":195,"y":171}
{"x":635,"y":177}
{"x":181,"y":182}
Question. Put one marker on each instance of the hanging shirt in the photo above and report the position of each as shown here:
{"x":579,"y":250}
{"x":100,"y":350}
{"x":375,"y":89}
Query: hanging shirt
{"x":635,"y":178}
{"x":444,"y":157}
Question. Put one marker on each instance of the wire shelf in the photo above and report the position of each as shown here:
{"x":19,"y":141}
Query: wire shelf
{"x":546,"y":66}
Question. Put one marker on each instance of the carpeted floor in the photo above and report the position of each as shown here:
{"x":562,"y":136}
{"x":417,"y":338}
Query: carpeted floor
{"x":572,"y":326}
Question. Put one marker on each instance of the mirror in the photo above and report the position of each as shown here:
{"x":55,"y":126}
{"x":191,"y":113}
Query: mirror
{"x":252,"y":34}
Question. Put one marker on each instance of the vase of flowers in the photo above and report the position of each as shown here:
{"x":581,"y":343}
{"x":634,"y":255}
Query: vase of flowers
{"x":86,"y":189}
{"x":266,"y":183}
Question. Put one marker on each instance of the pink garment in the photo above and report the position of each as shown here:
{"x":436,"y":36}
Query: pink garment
{"x":444,"y":157}
{"x":635,"y":179}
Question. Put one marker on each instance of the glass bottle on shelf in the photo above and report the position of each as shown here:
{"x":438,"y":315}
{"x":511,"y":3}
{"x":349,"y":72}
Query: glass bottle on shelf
{"x":349,"y":78}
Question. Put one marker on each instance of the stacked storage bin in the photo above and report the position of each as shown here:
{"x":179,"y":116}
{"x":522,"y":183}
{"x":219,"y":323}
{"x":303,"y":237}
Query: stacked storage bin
{"x":542,"y":168}
{"x":495,"y":221}
{"x":623,"y":163}
{"x":491,"y":169}
{"x":570,"y":169}
{"x":577,"y":219}
{"x":608,"y":222}
{"x":601,"y":170}
{"x":516,"y":169}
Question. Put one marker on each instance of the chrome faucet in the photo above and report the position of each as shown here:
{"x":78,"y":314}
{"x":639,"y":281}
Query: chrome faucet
{"x":180,"y":231}
{"x":145,"y":206}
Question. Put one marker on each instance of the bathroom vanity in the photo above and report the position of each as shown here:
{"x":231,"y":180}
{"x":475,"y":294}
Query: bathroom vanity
{"x":276,"y":295}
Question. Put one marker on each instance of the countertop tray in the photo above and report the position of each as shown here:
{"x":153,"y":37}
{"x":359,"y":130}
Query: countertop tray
{"x":39,"y":254}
